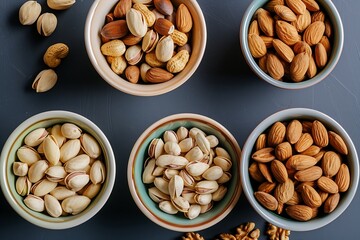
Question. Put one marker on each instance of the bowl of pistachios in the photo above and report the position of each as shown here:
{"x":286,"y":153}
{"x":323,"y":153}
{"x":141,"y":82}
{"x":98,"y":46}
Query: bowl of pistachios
{"x":183,"y":172}
{"x":57,"y":169}
{"x":147,"y":47}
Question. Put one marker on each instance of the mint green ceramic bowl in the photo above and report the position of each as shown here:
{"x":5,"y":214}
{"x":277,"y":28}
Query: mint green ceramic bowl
{"x":338,"y":42}
{"x":139,"y":190}
{"x":8,"y":156}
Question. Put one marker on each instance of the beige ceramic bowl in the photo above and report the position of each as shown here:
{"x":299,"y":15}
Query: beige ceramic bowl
{"x":96,"y":20}
{"x":139,"y":190}
{"x":8,"y":157}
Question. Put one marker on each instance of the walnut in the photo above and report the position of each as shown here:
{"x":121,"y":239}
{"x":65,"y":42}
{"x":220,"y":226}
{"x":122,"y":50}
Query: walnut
{"x":277,"y":233}
{"x":193,"y":236}
{"x":227,"y":236}
{"x":247,"y":232}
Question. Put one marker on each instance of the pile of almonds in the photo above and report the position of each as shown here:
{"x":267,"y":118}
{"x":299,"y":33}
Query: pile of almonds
{"x":147,"y":39}
{"x":291,"y":39}
{"x":300,"y":167}
{"x":187,"y":171}
{"x":63,"y":173}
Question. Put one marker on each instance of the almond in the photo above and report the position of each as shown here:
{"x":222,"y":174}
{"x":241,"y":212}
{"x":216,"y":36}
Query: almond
{"x":264,"y":169}
{"x":307,"y":126}
{"x":285,"y":13}
{"x":272,"y":3}
{"x":276,"y":134}
{"x":331,"y":203}
{"x":320,"y":55}
{"x":164,"y":6}
{"x":274,"y":67}
{"x":130,"y":40}
{"x":302,"y":46}
{"x":264,"y":155}
{"x":184,"y":21}
{"x":114,"y":30}
{"x":311,"y":151}
{"x":300,"y":212}
{"x":267,"y":40}
{"x":320,"y":155}
{"x":296,"y":5}
{"x":294,"y":131}
{"x":255,"y":173}
{"x":330,"y":163}
{"x":305,"y":141}
{"x":256,"y":45}
{"x":254,"y":28}
{"x":284,"y":191}
{"x":260,"y":142}
{"x":295,"y":199}
{"x":302,"y":21}
{"x":300,"y":162}
{"x":328,"y":28}
{"x":326,"y":184}
{"x":337,"y":142}
{"x":319,"y":134}
{"x":299,"y":67}
{"x":326,"y":43}
{"x":318,"y":16}
{"x":132,"y":73}
{"x":314,"y":32}
{"x":342,"y":178}
{"x":323,"y":195}
{"x":266,"y":22}
{"x":310,"y":196}
{"x":158,"y":75}
{"x":267,"y":200}
{"x":311,"y":5}
{"x":283,"y":50}
{"x":287,"y":32}
{"x":309,"y":174}
{"x":279,"y":171}
{"x":267,"y":187}
{"x":283,"y":151}
{"x":312,"y":70}
{"x":122,"y":8}
{"x":164,"y":27}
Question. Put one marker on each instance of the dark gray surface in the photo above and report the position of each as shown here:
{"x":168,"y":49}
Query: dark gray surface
{"x":222,"y":88}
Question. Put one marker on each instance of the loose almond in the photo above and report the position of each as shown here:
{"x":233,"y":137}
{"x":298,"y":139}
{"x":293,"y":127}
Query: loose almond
{"x":184,"y":21}
{"x":318,"y":16}
{"x":283,"y":50}
{"x":342,"y":178}
{"x":158,"y":75}
{"x":276,"y":134}
{"x":312,"y":70}
{"x":122,"y":8}
{"x":115,"y":29}
{"x":254,"y":28}
{"x":283,"y":151}
{"x":311,"y":5}
{"x":300,"y":162}
{"x":314,"y":32}
{"x":300,"y":212}
{"x":287,"y":32}
{"x":321,"y":57}
{"x":294,"y":131}
{"x":256,"y":45}
{"x":296,"y":5}
{"x":328,"y":185}
{"x":310,"y":196}
{"x":302,"y":21}
{"x":267,"y":200}
{"x":272,"y":3}
{"x":285,"y":13}
{"x":274,"y":67}
{"x":311,"y":151}
{"x":164,"y":6}
{"x":260,"y":142}
{"x":265,"y":171}
{"x":299,"y":67}
{"x":337,"y":142}
{"x":304,"y":142}
{"x":284,"y":191}
{"x":331,"y":203}
{"x":320,"y":134}
{"x":266,"y":22}
{"x":255,"y":173}
{"x":302,"y":46}
{"x":330,"y":163}
{"x":267,"y":187}
{"x":279,"y":171}
{"x":264,"y":155}
{"x":309,"y":174}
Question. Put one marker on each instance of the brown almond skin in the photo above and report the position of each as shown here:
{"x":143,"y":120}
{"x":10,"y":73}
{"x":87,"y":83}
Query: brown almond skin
{"x":304,"y":142}
{"x":266,"y":22}
{"x":287,"y":32}
{"x":296,"y":5}
{"x":314,"y":32}
{"x":163,"y":26}
{"x":327,"y":185}
{"x":265,"y":171}
{"x":331,"y":163}
{"x":337,"y":142}
{"x":285,"y":13}
{"x":299,"y":66}
{"x":279,"y":171}
{"x":300,"y":212}
{"x":264,"y":155}
{"x":158,"y":75}
{"x":284,"y":191}
{"x":309,"y":174}
{"x":274,"y":67}
{"x":311,"y":151}
{"x":331,"y":203}
{"x":342,"y":178}
{"x":260,"y":142}
{"x":255,"y":173}
{"x":122,"y":8}
{"x":114,"y":30}
{"x":267,"y":200}
{"x":283,"y":151}
{"x":321,"y":57}
{"x":276,"y":134}
{"x":257,"y":46}
{"x":267,"y":187}
{"x":183,"y":18}
{"x":300,"y":162}
{"x":311,"y":5}
{"x":254,"y":28}
{"x":310,"y":196}
{"x":293,"y":131}
{"x":283,"y":50}
{"x":164,"y":6}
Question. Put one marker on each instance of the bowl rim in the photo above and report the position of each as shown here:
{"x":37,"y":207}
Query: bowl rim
{"x":287,"y":223}
{"x":66,"y":115}
{"x":131,"y":183}
{"x":143,"y":89}
{"x":290,"y":85}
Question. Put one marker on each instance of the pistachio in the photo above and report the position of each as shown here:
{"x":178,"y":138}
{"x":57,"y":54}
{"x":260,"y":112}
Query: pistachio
{"x":196,"y":168}
{"x":133,"y":54}
{"x":219,"y":194}
{"x":27,"y":155}
{"x":70,"y":130}
{"x":168,"y":207}
{"x":170,"y":136}
{"x":43,"y":187}
{"x":193,"y":211}
{"x":156,"y":148}
{"x":204,"y":187}
{"x":29,"y":12}
{"x":78,"y":163}
{"x":157,"y":196}
{"x":46,"y":24}
{"x":186,"y":144}
{"x":150,"y":41}
{"x":51,"y":150}
{"x":189,"y":180}
{"x":213,"y":173}
{"x":181,"y":204}
{"x":37,"y":170}
{"x":136,"y":23}
{"x":169,"y":173}
{"x":52,"y":206}
{"x":195,"y":154}
{"x":20,"y":169}
{"x":75,"y":181}
{"x":56,"y":132}
{"x":92,"y":190}
{"x":223,"y":162}
{"x":35,"y":137}
{"x":35,"y":203}
{"x":23,"y":186}
{"x":69,"y":150}
{"x":61,"y":192}
{"x":164,"y":49}
{"x":203,"y":199}
{"x":182,"y":133}
{"x":45,"y":81}
{"x":55,"y":173}
{"x":60,"y":4}
{"x":172,"y":162}
{"x":75,"y":204}
{"x":224,"y":178}
{"x":172,"y":148}
{"x":147,"y":176}
{"x":176,"y":186}
{"x":97,"y":172}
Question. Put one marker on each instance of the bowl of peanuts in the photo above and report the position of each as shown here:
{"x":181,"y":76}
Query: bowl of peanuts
{"x":183,"y":172}
{"x":57,"y":169}
{"x":299,"y":169}
{"x":145,"y":47}
{"x":292,"y":44}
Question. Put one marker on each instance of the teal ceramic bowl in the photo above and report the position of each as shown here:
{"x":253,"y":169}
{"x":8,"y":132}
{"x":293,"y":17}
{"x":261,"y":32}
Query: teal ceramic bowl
{"x":8,"y":157}
{"x":351,"y":160}
{"x":139,"y":190}
{"x":337,"y":41}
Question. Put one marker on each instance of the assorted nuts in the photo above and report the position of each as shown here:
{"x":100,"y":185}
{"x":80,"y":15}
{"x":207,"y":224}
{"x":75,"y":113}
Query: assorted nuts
{"x":291,"y":40}
{"x":300,"y":167}
{"x":186,"y":171}
{"x":59,"y":170}
{"x":153,"y":36}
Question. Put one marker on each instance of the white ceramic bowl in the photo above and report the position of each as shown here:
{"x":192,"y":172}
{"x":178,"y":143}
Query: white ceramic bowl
{"x":352,"y":161}
{"x":96,"y":20}
{"x":139,"y":190}
{"x":8,"y":157}
{"x":338,"y":42}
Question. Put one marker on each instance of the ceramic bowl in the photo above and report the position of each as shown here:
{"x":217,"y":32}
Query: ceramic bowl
{"x":139,"y":190}
{"x":351,"y":160}
{"x":8,"y":157}
{"x":337,"y":45}
{"x":96,"y":20}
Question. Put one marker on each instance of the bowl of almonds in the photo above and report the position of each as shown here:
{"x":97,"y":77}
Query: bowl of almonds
{"x":183,"y":172}
{"x":145,"y":47}
{"x":292,"y":44}
{"x":57,"y":169}
{"x":299,"y":169}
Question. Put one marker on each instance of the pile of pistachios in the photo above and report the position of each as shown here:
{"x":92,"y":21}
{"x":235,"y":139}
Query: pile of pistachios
{"x":187,"y":171}
{"x":59,"y":170}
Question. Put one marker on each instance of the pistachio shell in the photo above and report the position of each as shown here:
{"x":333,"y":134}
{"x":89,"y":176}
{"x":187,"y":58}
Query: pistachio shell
{"x":213,"y":140}
{"x":206,"y":208}
{"x":35,"y":137}
{"x":170,"y":136}
{"x":92,"y":190}
{"x":35,"y":203}
{"x":172,"y":162}
{"x":172,"y":148}
{"x":221,"y":152}
{"x":203,"y":199}
{"x":37,"y":170}
{"x":51,"y":150}
{"x":223,"y":162}
{"x":78,"y":163}
{"x":162,"y":185}
{"x":29,"y":12}
{"x":182,"y":133}
{"x":156,"y":148}
{"x":56,"y":132}
{"x":52,"y":206}
{"x":147,"y":176}
{"x":43,"y":187}
{"x":195,"y":154}
{"x":45,"y":80}
{"x":20,"y":169}
{"x":150,"y":41}
{"x":164,"y":49}
{"x":205,"y":187}
{"x":176,"y":186}
{"x":189,"y":181}
{"x":224,"y":178}
{"x":193,"y":131}
{"x":55,"y":173}
{"x":136,"y":23}
{"x":70,"y":130}
{"x":193,"y":212}
{"x":75,"y":181}
{"x":213,"y":173}
{"x":75,"y":204}
{"x":169,"y":173}
{"x":203,"y":143}
{"x":186,"y":144}
{"x":28,"y":155}
{"x":219,"y":194}
{"x":181,"y":204}
{"x":69,"y":150}
{"x":157,"y":196}
{"x":61,"y":192}
{"x":168,"y":207}
{"x":90,"y":146}
{"x":23,"y":186}
{"x":196,"y":168}
{"x":97,"y":172}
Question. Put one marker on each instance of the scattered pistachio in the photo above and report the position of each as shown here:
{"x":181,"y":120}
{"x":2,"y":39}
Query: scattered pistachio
{"x":29,"y":12}
{"x":46,"y":24}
